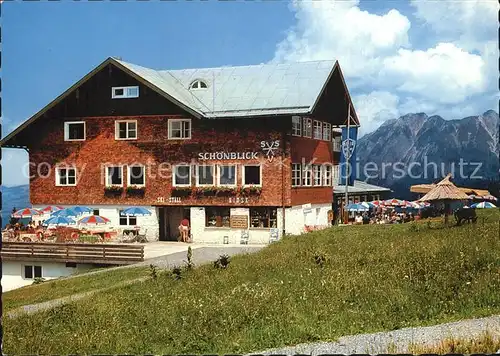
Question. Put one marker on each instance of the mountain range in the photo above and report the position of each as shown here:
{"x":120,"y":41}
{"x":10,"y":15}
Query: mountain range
{"x":401,"y":145}
{"x":426,"y":148}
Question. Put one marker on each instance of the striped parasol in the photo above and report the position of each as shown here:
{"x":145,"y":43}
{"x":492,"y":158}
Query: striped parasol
{"x":94,"y":220}
{"x":51,"y":209}
{"x":26,"y":213}
{"x":393,"y":202}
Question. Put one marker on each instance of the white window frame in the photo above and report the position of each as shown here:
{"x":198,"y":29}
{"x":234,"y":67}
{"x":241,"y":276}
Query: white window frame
{"x":243,"y":183}
{"x":305,"y":122}
{"x":128,"y":217}
{"x":318,"y":175}
{"x":198,"y":175}
{"x":297,"y":126}
{"x":170,"y":121}
{"x":126,"y":94}
{"x":337,"y":143}
{"x":174,"y":170}
{"x":117,"y":129}
{"x":23,"y":274}
{"x":296,"y":168}
{"x":335,"y":174}
{"x":327,"y":129}
{"x":66,"y":131}
{"x":198,"y":85}
{"x":307,"y":168}
{"x":235,"y":175}
{"x":108,"y":183}
{"x":327,"y":175}
{"x":129,"y":171}
{"x":58,"y":176}
{"x":317,"y":135}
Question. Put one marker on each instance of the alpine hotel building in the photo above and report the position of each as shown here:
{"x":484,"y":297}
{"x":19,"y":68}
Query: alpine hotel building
{"x":248,"y":151}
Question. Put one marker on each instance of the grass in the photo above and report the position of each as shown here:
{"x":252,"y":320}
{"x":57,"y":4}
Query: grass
{"x":486,"y":343}
{"x":63,"y":287}
{"x":318,"y":286}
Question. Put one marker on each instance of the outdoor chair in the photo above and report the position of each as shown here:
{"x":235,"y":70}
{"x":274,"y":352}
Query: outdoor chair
{"x":142,"y":237}
{"x":244,"y":237}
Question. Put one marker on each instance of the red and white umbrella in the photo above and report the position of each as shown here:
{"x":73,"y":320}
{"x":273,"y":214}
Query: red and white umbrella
{"x":377,"y":203}
{"x":51,"y":208}
{"x":94,"y":220}
{"x":393,"y":202}
{"x":26,"y":213}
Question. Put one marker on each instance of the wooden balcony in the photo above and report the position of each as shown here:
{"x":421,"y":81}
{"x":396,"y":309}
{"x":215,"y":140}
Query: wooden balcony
{"x":106,"y":254}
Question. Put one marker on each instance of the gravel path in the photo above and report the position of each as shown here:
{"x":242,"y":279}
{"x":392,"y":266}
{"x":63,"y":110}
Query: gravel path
{"x":396,"y":341}
{"x":201,"y":255}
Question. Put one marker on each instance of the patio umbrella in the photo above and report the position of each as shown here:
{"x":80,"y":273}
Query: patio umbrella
{"x":393,"y":202}
{"x":51,"y":209}
{"x":444,"y":192}
{"x":26,"y":213}
{"x":355,"y":207}
{"x":365,"y":204}
{"x":377,"y":203}
{"x":94,"y":220}
{"x":59,"y":220}
{"x":135,"y":211}
{"x":81,"y":209}
{"x":66,"y":213}
{"x":483,"y":205}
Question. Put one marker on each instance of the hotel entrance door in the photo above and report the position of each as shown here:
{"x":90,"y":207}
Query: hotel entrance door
{"x":169,"y":219}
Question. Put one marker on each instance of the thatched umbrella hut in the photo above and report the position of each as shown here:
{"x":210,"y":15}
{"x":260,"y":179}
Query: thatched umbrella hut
{"x":444,"y":192}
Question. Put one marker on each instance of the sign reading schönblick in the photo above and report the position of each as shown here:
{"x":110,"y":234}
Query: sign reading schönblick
{"x":227,"y":155}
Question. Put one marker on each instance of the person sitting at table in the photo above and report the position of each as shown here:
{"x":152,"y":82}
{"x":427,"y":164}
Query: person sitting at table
{"x":358,"y":219}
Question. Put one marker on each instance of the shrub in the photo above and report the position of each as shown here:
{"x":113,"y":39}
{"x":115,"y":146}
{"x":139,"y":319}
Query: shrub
{"x":189,"y":262}
{"x":226,"y":192}
{"x":88,"y":238}
{"x":176,"y":273}
{"x":113,"y":191}
{"x":320,"y":259}
{"x":222,"y":262}
{"x":250,"y":191}
{"x":153,"y":271}
{"x":38,"y":280}
{"x":134,"y":190}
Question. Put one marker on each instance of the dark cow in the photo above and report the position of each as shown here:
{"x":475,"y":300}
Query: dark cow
{"x":465,"y":214}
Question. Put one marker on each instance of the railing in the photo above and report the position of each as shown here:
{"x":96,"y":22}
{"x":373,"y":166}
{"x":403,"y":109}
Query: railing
{"x":71,"y":252}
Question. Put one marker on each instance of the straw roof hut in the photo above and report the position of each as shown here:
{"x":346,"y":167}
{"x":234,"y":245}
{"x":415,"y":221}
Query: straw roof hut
{"x":445,"y":191}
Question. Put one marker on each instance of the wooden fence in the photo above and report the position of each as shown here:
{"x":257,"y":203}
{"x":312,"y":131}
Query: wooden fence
{"x":115,"y":254}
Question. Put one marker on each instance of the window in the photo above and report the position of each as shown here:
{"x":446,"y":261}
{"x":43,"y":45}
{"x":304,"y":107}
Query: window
{"x":227,"y":175}
{"x":136,"y":175}
{"x":205,"y":175}
{"x":296,"y":174}
{"x":124,"y":92}
{"x":217,"y":216}
{"x":327,"y":175}
{"x":114,"y":175}
{"x":182,"y":175}
{"x":66,"y":176}
{"x":179,"y":129}
{"x":307,"y":130}
{"x":317,"y":130}
{"x":251,"y":175}
{"x":95,"y":212}
{"x":307,"y":175}
{"x":317,"y":175}
{"x":337,"y":143}
{"x":327,"y":131}
{"x":296,"y":126}
{"x":336,"y":174}
{"x":198,"y":84}
{"x":127,"y":220}
{"x":263,"y":217}
{"x":74,"y":131}
{"x":31,"y":272}
{"x":126,"y":130}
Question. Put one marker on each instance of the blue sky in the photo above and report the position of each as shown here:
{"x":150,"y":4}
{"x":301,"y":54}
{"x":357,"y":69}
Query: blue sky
{"x":47,"y":46}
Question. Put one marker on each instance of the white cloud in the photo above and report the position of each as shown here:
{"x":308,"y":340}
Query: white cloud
{"x":386,"y":74}
{"x":378,"y":105}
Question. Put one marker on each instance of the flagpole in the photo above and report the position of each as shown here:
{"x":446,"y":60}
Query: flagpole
{"x":346,"y":220}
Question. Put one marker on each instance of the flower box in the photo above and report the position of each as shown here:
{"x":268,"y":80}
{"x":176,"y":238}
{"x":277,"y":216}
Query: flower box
{"x":135,"y":191}
{"x":205,"y":192}
{"x":113,"y":191}
{"x":250,"y":191}
{"x":226,"y":192}
{"x":181,"y":191}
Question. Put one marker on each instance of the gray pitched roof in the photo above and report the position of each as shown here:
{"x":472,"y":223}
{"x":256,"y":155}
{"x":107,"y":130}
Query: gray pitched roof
{"x":359,"y":187}
{"x":245,"y":90}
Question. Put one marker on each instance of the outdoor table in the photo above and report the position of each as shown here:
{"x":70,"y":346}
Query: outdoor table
{"x":134,"y":231}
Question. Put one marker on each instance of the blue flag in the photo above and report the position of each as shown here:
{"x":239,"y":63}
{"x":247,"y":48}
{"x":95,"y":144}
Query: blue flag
{"x":348,"y":155}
